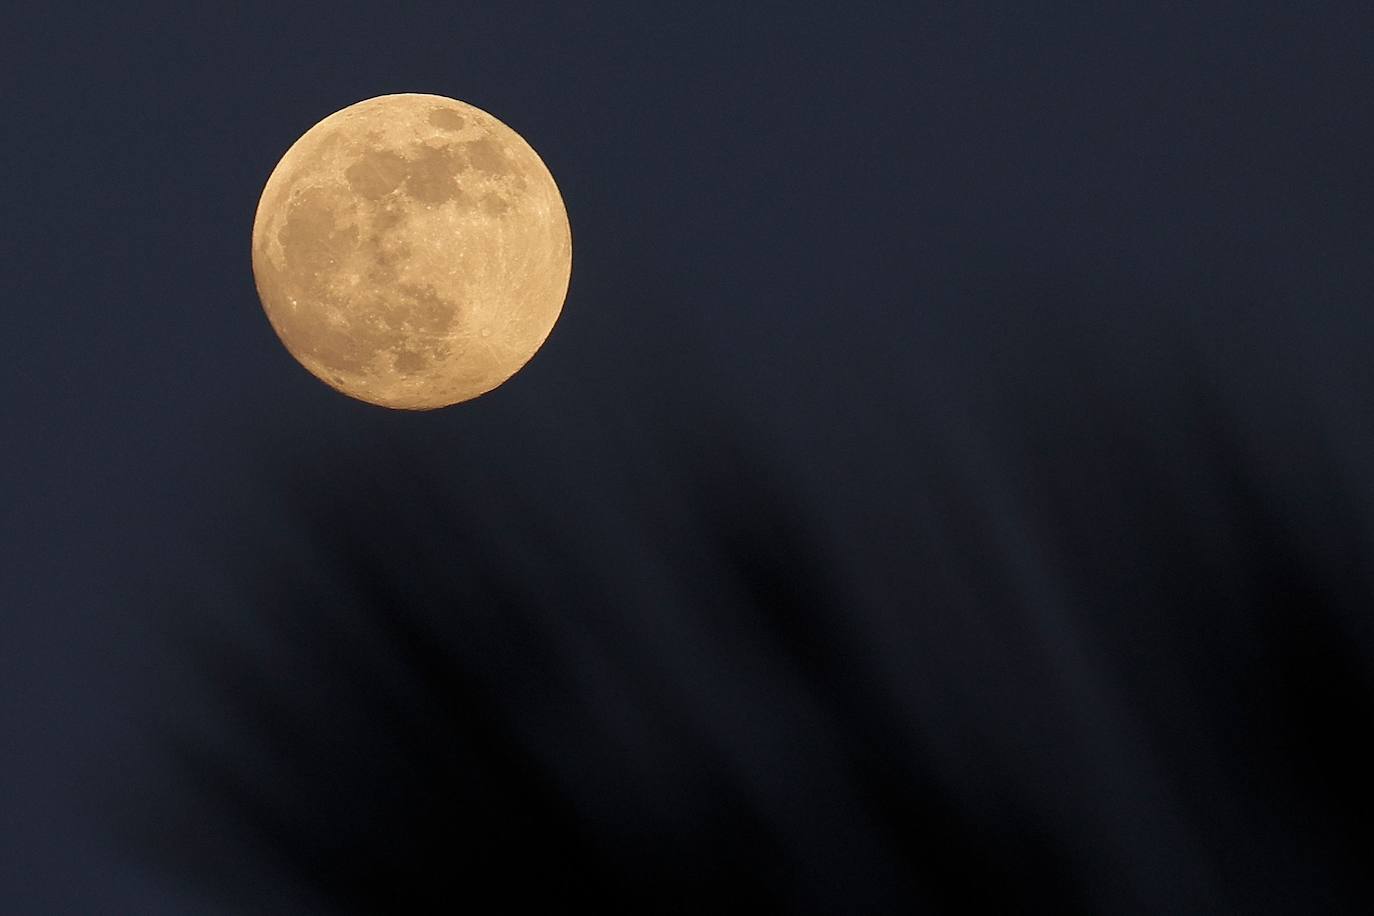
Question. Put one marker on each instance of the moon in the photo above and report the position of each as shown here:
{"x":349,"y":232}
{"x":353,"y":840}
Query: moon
{"x":412,"y":251}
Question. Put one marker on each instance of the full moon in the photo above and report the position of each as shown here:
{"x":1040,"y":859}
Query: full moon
{"x":412,"y":251}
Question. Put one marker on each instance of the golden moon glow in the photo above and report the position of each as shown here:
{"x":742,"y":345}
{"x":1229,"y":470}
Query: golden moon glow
{"x":412,"y":251}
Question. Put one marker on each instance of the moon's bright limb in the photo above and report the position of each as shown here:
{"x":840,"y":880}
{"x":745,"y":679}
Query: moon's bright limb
{"x":412,"y":251}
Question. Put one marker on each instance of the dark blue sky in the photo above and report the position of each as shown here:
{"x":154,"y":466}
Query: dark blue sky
{"x":949,"y":481}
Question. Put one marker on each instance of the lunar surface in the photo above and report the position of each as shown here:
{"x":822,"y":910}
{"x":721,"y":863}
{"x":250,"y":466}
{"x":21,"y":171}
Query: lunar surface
{"x":412,"y":251}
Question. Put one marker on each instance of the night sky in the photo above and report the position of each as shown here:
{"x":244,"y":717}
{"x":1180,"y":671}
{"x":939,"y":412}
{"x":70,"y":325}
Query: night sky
{"x":949,"y":487}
